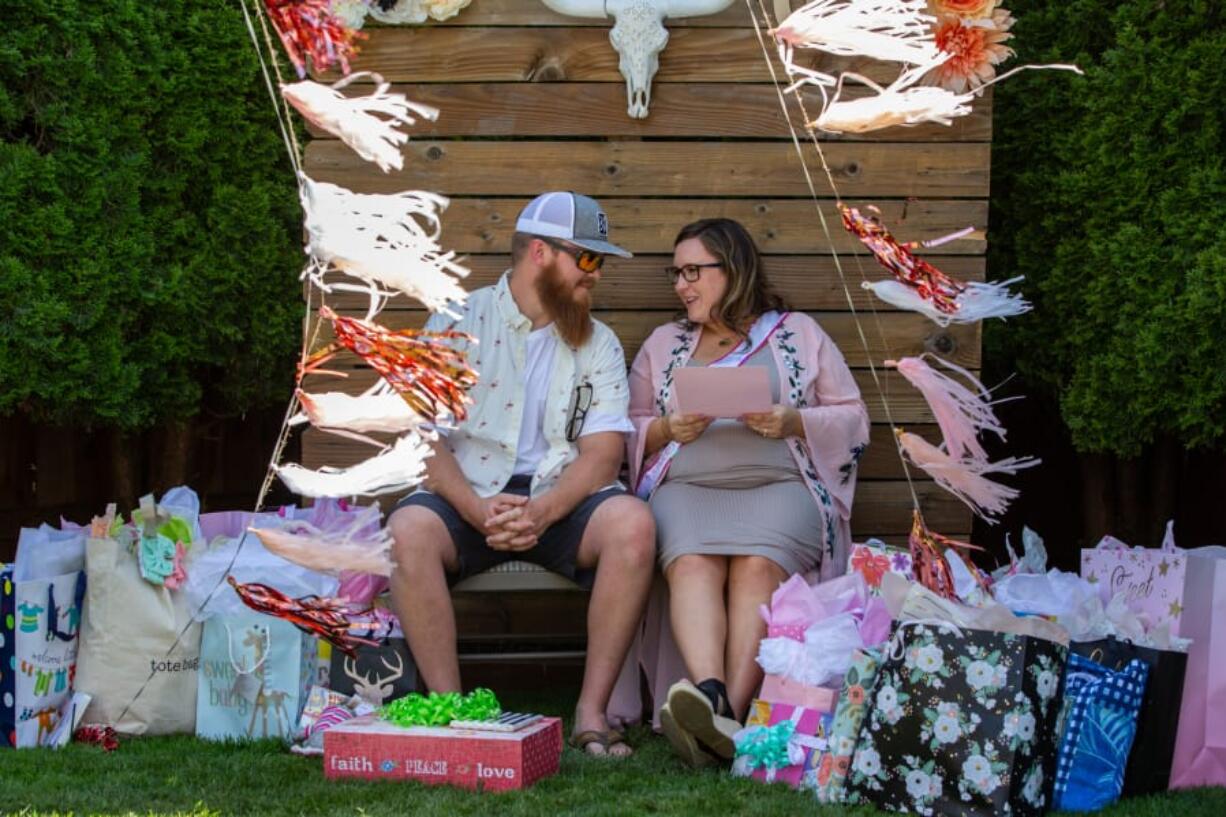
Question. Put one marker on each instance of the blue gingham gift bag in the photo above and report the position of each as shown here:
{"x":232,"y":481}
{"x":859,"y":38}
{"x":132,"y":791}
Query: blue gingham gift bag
{"x":1098,"y":723}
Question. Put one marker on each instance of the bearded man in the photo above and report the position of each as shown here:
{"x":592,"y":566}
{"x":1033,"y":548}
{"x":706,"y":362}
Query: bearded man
{"x":531,"y":474}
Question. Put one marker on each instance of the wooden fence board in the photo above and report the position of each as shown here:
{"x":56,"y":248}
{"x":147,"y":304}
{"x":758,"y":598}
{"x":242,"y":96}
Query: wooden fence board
{"x":907,"y":406}
{"x":477,"y":54}
{"x":898,"y":334}
{"x":598,"y":109}
{"x":779,"y":226}
{"x":660,"y":168}
{"x":806,"y":282}
{"x":881,"y":506}
{"x":880,"y":461}
{"x":535,"y":13}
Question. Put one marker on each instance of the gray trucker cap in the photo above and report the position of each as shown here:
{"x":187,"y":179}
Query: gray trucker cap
{"x":572,"y":218}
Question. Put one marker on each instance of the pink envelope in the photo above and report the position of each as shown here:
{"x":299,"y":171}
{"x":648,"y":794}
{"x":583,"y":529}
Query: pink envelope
{"x":722,"y":391}
{"x":1200,"y":748}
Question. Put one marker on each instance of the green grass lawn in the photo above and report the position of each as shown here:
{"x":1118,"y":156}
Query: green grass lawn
{"x":181,"y":775}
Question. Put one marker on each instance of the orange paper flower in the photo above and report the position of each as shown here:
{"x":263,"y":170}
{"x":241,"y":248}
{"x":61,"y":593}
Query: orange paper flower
{"x":966,"y":9}
{"x":977,"y":47}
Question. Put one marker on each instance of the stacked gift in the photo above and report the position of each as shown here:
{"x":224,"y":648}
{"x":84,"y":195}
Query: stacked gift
{"x":813,"y":634}
{"x":780,"y":742}
{"x":812,"y":631}
{"x":962,"y":718}
{"x":449,"y":739}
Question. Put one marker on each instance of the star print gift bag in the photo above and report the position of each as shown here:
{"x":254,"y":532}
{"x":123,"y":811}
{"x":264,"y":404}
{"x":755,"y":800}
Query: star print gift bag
{"x":962,"y":722}
{"x":1151,"y":579}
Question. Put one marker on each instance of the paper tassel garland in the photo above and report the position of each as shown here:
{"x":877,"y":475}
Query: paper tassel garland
{"x":425,"y":371}
{"x":929,"y":561}
{"x":310,"y":31}
{"x":961,"y":412}
{"x":929,"y":283}
{"x":890,"y":30}
{"x":382,"y":411}
{"x":368,"y":124}
{"x":396,"y":470}
{"x":965,"y":478}
{"x":323,"y":618}
{"x":359,"y":544}
{"x":976,"y":302}
{"x":383,"y":240}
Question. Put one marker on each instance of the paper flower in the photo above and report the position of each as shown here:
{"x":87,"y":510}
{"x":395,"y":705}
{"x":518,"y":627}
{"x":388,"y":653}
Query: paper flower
{"x":966,"y":9}
{"x":444,"y":9}
{"x":976,"y":48}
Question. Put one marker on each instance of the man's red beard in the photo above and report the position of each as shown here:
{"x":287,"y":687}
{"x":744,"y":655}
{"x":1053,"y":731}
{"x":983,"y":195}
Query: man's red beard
{"x":569,"y":306}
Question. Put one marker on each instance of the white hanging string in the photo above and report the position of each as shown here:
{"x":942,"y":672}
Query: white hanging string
{"x":881,"y":389}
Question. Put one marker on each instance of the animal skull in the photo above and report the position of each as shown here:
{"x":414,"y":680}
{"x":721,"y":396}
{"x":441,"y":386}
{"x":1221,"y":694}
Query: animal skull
{"x":639,"y":36}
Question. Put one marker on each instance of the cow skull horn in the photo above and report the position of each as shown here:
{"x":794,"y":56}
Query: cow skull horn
{"x":639,"y":36}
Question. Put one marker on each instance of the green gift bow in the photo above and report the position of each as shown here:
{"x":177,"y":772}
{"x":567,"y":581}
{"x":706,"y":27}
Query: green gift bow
{"x":440,"y":709}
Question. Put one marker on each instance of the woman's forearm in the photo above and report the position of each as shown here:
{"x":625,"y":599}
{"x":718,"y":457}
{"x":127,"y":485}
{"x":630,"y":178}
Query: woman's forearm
{"x":657,"y":436}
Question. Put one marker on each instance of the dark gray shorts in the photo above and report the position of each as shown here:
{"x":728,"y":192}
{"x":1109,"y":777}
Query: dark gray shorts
{"x":556,"y":550}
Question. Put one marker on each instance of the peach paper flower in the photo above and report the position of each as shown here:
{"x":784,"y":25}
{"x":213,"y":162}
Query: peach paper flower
{"x":966,"y":9}
{"x":977,"y":48}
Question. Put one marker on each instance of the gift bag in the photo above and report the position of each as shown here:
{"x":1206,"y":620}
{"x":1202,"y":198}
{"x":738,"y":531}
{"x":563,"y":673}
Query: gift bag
{"x":1200,"y":749}
{"x":255,"y":673}
{"x":1098,"y":722}
{"x":962,"y":722}
{"x":830,"y":776}
{"x":39,"y":624}
{"x":1151,"y":579}
{"x":128,"y":630}
{"x":873,"y":559}
{"x":1149,"y":763}
{"x":377,"y":675}
{"x":779,"y":742}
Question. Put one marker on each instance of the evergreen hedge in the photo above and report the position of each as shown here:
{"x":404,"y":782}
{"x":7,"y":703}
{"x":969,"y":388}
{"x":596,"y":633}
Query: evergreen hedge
{"x":149,"y":224}
{"x":1109,"y":195}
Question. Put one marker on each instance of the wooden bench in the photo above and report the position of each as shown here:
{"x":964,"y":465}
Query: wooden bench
{"x":714,"y":144}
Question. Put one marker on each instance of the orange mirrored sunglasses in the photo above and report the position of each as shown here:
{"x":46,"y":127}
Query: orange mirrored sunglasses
{"x":586,"y":260}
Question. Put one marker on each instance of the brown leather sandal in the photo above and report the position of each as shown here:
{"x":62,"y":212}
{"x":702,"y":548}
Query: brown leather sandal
{"x":606,"y":739}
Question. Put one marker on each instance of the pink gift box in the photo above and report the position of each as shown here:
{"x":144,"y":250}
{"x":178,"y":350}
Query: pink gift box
{"x":373,"y":749}
{"x":783,"y":690}
{"x":811,"y":725}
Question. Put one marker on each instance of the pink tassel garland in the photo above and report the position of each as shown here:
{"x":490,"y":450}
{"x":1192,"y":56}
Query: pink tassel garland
{"x":965,"y":478}
{"x":961,"y":412}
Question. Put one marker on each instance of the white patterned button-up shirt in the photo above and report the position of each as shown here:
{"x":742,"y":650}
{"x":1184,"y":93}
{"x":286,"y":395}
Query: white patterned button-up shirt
{"x":594,"y":374}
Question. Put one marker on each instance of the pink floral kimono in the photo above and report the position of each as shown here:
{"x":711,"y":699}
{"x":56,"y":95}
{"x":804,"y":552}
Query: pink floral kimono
{"x":814,"y":379}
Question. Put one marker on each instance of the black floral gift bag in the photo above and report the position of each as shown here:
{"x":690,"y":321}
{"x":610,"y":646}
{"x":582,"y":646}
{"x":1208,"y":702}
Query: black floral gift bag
{"x":962,"y":722}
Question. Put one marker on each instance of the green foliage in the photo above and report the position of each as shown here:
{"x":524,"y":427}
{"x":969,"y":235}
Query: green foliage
{"x":1109,"y":195}
{"x":149,"y":228}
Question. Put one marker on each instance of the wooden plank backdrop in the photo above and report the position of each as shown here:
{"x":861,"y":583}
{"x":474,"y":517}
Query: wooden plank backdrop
{"x":531,"y":101}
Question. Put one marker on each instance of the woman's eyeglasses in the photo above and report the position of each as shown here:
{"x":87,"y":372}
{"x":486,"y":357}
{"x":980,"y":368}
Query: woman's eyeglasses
{"x":585,"y":260}
{"x":689,"y":272}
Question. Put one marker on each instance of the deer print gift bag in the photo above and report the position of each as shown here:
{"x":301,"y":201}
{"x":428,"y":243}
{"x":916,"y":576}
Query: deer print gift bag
{"x":255,"y":673}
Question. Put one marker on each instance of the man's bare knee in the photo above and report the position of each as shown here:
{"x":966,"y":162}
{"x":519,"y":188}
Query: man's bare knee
{"x":419,"y":538}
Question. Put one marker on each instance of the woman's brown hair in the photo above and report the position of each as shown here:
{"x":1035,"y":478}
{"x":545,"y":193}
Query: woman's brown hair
{"x":749,"y":292}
